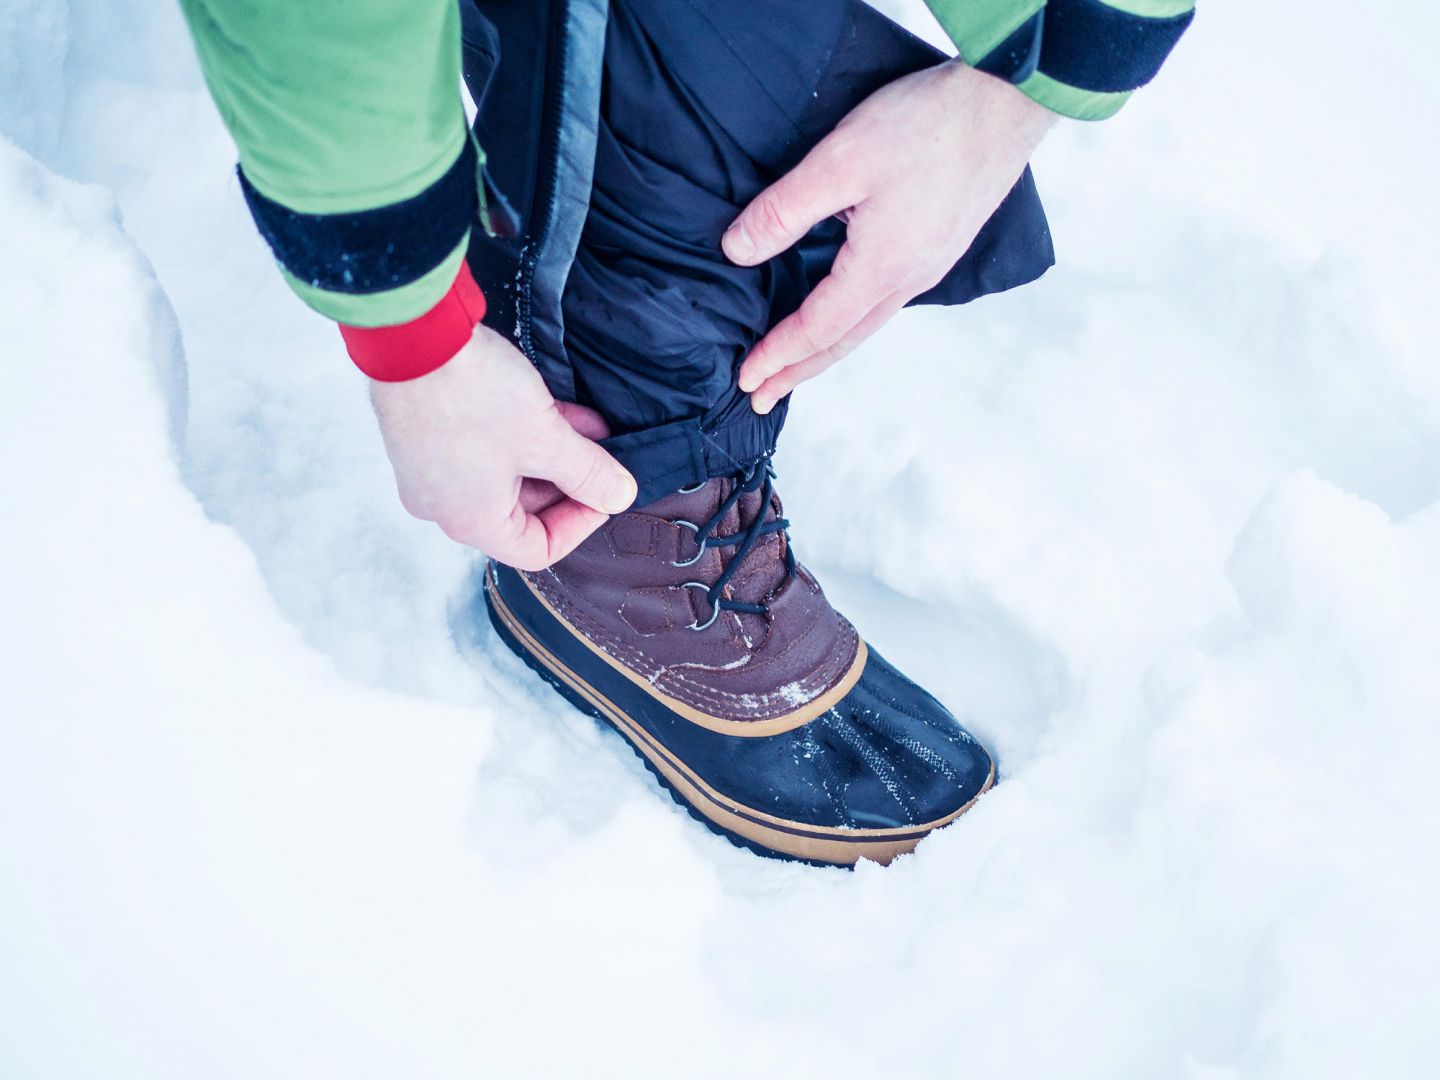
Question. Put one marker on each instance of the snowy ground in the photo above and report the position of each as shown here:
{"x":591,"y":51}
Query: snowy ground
{"x":1168,"y":535}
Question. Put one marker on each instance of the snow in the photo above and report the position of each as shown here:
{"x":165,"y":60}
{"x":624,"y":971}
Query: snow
{"x":1162,"y":526}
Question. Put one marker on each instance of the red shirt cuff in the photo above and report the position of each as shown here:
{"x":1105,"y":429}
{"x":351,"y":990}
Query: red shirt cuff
{"x":418,"y":347}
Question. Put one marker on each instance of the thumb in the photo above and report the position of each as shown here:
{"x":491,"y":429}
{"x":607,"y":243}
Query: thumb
{"x":583,"y":419}
{"x":821,"y":185}
{"x":586,"y":472}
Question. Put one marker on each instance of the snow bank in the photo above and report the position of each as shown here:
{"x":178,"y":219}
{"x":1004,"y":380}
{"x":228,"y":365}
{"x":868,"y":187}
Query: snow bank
{"x":33,"y":35}
{"x":1163,"y":526}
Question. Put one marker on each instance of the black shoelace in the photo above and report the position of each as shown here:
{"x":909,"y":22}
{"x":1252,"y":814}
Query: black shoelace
{"x":759,"y":477}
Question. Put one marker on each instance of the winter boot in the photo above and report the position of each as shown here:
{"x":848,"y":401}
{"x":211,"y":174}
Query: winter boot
{"x":688,"y":625}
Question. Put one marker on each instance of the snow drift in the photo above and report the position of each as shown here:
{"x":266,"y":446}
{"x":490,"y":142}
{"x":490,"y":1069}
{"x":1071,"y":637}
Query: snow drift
{"x":268,"y":807}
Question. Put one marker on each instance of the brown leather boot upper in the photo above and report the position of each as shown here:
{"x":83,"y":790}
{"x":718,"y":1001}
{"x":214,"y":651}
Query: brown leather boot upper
{"x":640,"y":591}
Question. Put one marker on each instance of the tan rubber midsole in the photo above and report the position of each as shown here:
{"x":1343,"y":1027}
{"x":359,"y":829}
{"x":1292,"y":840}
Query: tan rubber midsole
{"x":819,"y":843}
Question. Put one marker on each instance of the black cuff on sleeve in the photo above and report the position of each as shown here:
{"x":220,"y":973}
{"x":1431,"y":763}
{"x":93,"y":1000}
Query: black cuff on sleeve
{"x":1092,"y":46}
{"x":371,"y":251}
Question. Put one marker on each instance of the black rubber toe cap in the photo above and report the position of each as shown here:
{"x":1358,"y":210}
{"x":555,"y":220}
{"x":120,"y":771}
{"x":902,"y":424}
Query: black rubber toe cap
{"x":891,"y":755}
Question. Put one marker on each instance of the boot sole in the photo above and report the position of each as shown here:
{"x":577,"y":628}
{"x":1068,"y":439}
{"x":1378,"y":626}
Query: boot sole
{"x":744,"y":826}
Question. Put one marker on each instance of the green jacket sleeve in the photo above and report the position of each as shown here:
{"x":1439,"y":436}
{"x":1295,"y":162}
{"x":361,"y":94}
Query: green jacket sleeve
{"x":355,"y":156}
{"x":1081,"y":58}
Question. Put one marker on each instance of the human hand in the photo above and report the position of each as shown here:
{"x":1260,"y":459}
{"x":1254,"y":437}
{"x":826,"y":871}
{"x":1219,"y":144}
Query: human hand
{"x":481,"y":448}
{"x":914,"y":170}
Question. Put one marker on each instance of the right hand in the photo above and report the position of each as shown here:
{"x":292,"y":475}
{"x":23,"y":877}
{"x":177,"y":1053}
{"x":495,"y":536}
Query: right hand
{"x":481,"y":448}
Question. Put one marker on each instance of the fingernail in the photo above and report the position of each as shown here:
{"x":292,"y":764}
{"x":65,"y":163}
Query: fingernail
{"x":737,"y":243}
{"x":621,"y":494}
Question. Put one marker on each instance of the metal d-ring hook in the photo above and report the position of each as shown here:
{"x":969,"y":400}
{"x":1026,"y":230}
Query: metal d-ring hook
{"x":714,"y":609}
{"x":692,"y":488}
{"x":700,"y":540}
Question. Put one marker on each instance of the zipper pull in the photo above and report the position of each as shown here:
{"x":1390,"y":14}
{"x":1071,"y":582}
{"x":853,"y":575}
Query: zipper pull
{"x":497,"y":217}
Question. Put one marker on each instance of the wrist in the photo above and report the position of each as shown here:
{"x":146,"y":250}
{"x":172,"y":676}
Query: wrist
{"x":400,"y":353}
{"x":998,"y":94}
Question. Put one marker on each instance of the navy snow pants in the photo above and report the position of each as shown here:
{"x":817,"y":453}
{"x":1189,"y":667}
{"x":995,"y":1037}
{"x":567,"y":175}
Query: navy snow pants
{"x":626,"y":137}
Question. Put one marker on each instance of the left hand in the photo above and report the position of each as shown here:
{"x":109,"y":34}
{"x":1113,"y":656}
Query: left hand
{"x":915,"y":170}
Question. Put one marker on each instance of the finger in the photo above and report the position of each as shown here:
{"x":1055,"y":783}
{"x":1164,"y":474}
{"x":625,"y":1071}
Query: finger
{"x":836,"y":305}
{"x":765,"y":396}
{"x":536,"y":541}
{"x":567,"y":524}
{"x":824,"y":183}
{"x":584,"y":420}
{"x":537,"y":495}
{"x":583,"y":470}
{"x":530,"y":541}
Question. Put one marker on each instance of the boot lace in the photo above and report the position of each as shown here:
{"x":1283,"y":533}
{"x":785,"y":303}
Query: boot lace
{"x":759,"y":477}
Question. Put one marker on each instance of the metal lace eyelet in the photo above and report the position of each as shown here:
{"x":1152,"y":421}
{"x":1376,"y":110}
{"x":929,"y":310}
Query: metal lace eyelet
{"x":714,"y":609}
{"x":699,"y":540}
